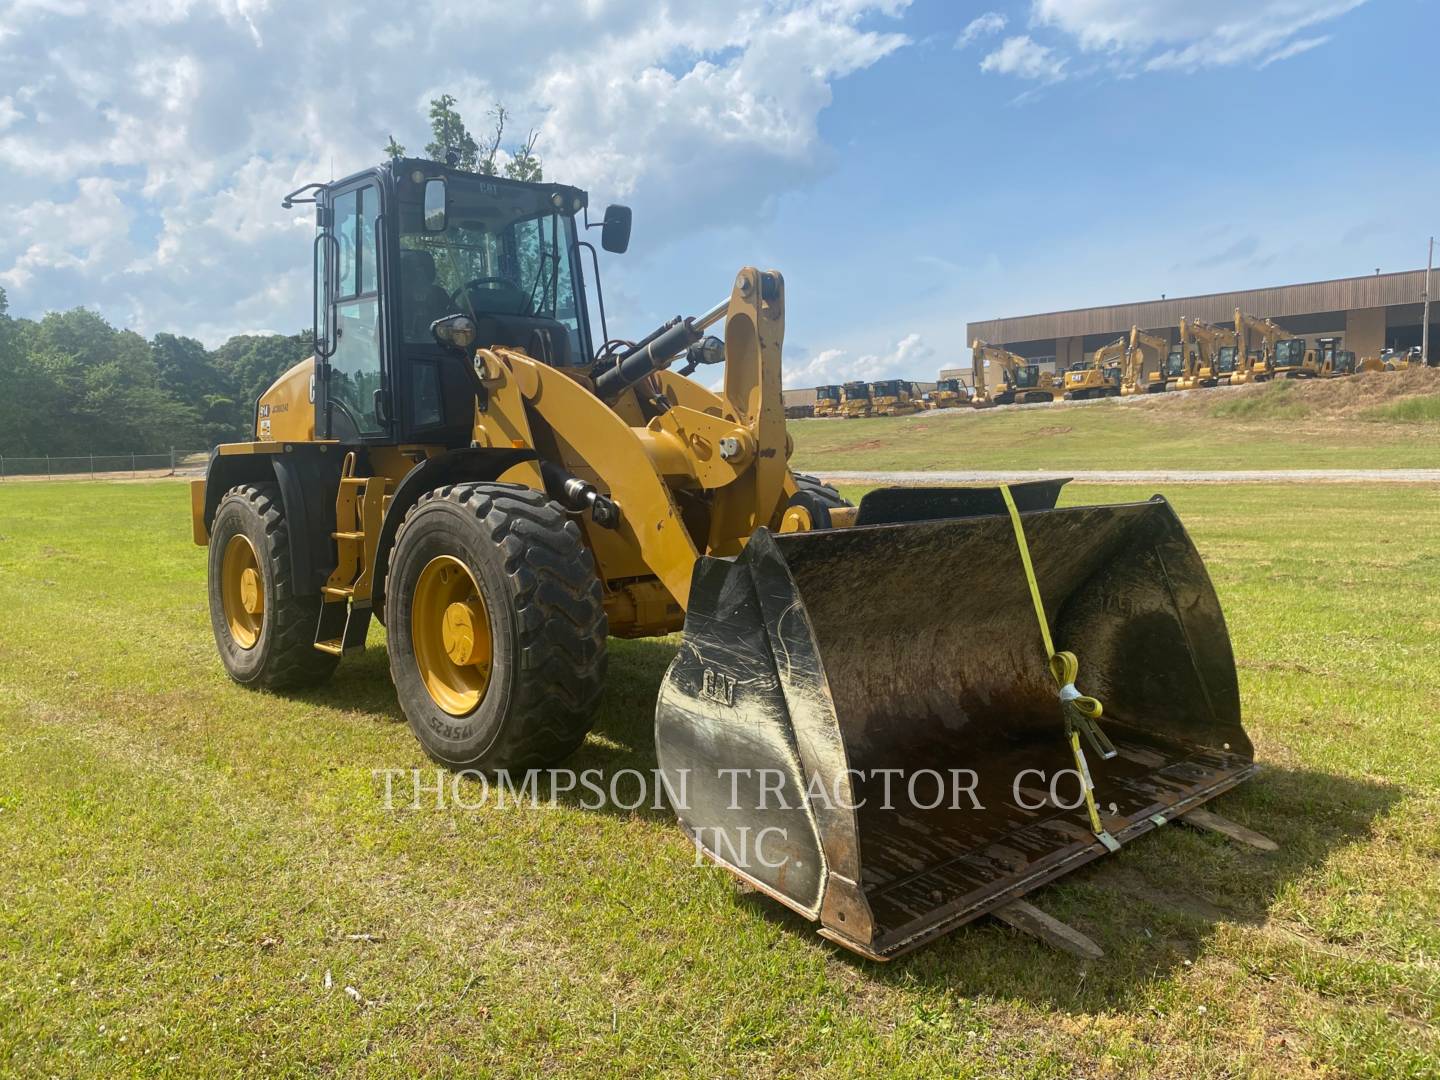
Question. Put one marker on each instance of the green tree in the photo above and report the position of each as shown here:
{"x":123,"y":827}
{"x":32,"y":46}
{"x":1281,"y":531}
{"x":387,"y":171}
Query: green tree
{"x":450,"y":134}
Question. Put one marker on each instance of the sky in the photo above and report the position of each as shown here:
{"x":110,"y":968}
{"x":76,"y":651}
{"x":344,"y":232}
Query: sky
{"x":908,"y":165}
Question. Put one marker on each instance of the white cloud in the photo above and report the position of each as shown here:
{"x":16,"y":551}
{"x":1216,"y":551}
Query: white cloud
{"x":87,"y":233}
{"x":908,"y":358}
{"x":1190,"y":35}
{"x":1295,"y":48}
{"x":201,"y":115}
{"x":992,"y":22}
{"x":1023,"y":57}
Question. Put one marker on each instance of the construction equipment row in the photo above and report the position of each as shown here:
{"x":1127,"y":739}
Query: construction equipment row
{"x":1254,"y":350}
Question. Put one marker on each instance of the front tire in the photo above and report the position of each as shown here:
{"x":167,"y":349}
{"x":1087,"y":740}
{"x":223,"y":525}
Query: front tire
{"x":264,"y":632}
{"x":497,"y":628}
{"x":818,"y":498}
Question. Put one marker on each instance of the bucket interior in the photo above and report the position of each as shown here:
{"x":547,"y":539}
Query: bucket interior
{"x":934,"y":662}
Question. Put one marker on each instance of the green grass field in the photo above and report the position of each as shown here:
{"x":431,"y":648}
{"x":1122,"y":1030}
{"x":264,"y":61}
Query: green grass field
{"x":191,"y":870}
{"x":1386,"y":420}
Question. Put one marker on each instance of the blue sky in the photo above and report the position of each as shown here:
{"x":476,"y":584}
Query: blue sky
{"x":908,"y":166}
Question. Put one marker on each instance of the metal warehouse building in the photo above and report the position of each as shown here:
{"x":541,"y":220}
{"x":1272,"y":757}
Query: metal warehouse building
{"x":1369,"y":313}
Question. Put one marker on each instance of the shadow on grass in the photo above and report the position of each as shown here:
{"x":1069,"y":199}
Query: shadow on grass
{"x":1151,"y":907}
{"x":622,"y":738}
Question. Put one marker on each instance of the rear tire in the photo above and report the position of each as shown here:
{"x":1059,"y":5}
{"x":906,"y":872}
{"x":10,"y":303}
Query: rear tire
{"x":272,"y":647}
{"x":819,"y":498}
{"x":532,"y":584}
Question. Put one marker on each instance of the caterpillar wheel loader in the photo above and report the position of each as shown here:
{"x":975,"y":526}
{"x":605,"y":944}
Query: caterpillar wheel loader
{"x":463,"y":461}
{"x":1098,"y":376}
{"x":1020,"y":380}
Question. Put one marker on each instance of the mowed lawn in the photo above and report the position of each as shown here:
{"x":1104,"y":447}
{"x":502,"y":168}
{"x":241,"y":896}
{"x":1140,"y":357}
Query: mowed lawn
{"x":194,"y":877}
{"x":1378,"y":421}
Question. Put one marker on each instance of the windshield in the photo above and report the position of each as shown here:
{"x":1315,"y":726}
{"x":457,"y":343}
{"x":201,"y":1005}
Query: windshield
{"x":1175,"y":363}
{"x":1027,"y":375}
{"x":503,"y":252}
{"x":1289,"y":353}
{"x":828,"y":393}
{"x":1226,"y":360}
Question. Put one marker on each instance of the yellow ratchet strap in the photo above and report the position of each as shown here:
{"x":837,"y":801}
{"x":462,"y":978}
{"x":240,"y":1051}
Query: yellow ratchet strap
{"x":1079,"y":711}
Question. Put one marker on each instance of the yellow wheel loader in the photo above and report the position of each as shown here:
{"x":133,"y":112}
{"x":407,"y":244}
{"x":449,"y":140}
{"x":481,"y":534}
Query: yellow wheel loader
{"x":827,"y":401}
{"x":462,"y":460}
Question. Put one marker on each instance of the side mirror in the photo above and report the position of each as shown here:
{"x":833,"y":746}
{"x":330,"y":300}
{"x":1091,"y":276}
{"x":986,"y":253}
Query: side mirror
{"x":434,"y":217}
{"x":615,"y":234}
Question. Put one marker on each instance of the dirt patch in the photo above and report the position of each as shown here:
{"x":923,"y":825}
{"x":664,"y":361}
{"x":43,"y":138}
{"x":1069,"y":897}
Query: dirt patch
{"x":1053,"y":429}
{"x":868,"y":444}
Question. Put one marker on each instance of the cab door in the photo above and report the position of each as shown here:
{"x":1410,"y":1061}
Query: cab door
{"x":352,"y":392}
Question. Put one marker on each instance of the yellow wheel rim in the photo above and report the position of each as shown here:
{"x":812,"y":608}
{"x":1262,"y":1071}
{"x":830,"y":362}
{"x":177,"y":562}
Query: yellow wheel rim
{"x":242,"y":591}
{"x":450,"y":628}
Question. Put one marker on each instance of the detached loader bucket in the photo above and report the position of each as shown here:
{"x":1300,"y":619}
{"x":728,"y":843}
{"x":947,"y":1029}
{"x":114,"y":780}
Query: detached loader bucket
{"x":861,"y":722}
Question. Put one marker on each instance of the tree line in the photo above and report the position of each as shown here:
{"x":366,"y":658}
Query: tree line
{"x":72,"y":384}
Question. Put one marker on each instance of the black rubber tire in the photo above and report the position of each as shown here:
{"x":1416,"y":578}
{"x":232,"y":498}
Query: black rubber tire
{"x":547,"y":625}
{"x":284,"y":657}
{"x":818,"y":497}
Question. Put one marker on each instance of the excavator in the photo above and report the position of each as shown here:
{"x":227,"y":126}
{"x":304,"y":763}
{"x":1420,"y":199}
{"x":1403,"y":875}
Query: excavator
{"x":893,"y":397}
{"x":1145,"y":359}
{"x":855,"y":400}
{"x":1212,"y":362}
{"x":1020,"y":380}
{"x":505,"y":483}
{"x":1098,"y":376}
{"x":1259,"y":339}
{"x":827,"y":401}
{"x":948,"y":394}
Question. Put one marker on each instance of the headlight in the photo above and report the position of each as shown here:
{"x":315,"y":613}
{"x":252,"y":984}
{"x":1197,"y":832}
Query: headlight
{"x":456,"y":330}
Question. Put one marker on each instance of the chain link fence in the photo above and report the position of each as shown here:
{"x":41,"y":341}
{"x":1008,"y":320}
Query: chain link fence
{"x":104,"y":466}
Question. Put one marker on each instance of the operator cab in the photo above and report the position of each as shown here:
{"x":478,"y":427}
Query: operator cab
{"x":1290,"y":353}
{"x":827,"y":393}
{"x":413,"y":259}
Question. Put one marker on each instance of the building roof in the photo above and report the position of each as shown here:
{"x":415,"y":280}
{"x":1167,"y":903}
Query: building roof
{"x":1338,"y":294}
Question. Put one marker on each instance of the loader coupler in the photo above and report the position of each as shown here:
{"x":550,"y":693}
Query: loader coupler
{"x":861,"y":722}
